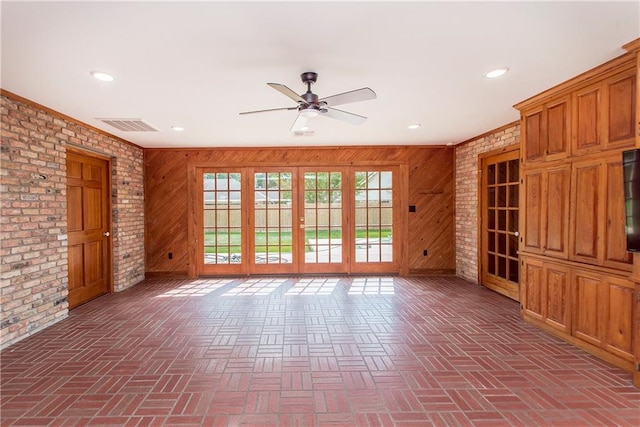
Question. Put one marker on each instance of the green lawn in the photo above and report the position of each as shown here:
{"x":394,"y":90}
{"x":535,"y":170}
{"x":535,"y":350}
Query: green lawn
{"x":234,"y":241}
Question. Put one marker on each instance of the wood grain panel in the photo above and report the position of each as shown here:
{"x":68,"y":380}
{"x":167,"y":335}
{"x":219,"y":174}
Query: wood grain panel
{"x":615,"y":249}
{"x":622,"y":94}
{"x":533,"y":296}
{"x":620,"y":321}
{"x":588,"y":303}
{"x":557,"y":279}
{"x":556,"y":224}
{"x":557,"y":128}
{"x":588,"y":119}
{"x":429,"y":185}
{"x":532,"y":210}
{"x":586,"y":182}
{"x":534,"y":144}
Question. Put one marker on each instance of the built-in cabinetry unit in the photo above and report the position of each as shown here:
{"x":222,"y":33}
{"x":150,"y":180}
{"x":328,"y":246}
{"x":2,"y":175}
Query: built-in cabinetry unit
{"x":578,"y":281}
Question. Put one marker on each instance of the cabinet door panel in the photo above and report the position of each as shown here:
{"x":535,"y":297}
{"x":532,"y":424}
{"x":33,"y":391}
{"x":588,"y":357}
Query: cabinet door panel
{"x":615,"y":249}
{"x":532,"y":300}
{"x":558,"y":125}
{"x":533,"y":134}
{"x":622,"y":107}
{"x":587,"y":130}
{"x":587,"y":304}
{"x":557,"y":212}
{"x":557,"y":296}
{"x":586,"y":213}
{"x":533,"y":211}
{"x":620,"y":321}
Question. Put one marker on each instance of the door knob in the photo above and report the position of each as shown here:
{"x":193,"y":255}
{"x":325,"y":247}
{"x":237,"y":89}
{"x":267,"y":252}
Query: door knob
{"x":106,"y":234}
{"x":516,"y":233}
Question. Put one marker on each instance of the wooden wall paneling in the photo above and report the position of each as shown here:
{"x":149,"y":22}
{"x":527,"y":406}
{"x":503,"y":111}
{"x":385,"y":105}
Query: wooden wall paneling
{"x":166,"y":222}
{"x":429,"y":185}
{"x":432,"y":226}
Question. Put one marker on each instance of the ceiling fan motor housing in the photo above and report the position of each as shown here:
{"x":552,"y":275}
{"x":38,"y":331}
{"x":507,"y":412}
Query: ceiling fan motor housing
{"x":309,"y":77}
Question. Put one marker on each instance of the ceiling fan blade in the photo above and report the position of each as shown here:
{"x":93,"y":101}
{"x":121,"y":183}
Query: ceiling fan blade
{"x":354,"y":119}
{"x":357,"y":95}
{"x":300,"y":124}
{"x":271,"y":109}
{"x":286,"y":91}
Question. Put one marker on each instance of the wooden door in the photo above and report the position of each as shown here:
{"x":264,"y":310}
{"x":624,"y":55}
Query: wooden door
{"x":88,"y":227}
{"x":273,"y":221}
{"x":373,"y":248}
{"x":324,"y":235}
{"x":500,"y":186}
{"x":223,"y":205}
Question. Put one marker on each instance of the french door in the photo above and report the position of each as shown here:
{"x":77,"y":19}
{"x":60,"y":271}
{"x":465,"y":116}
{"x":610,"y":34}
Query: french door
{"x":290,"y":220}
{"x":500,"y":269}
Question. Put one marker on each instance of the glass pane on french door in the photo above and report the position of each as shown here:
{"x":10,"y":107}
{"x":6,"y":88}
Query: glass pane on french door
{"x":274,"y":212}
{"x":373,"y":239}
{"x":322,"y":221}
{"x":222,"y":219}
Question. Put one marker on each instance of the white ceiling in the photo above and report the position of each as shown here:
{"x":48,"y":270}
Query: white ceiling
{"x":198,"y":64}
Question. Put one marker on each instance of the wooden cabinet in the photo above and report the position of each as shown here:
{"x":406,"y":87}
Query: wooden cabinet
{"x":546,"y":210}
{"x":577,"y":279}
{"x":545,"y":293}
{"x":546,"y":131}
{"x":602,"y":312}
{"x":597,"y":218}
{"x":604,"y":114}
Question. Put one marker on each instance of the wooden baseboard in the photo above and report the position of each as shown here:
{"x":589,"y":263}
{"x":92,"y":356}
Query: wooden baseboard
{"x":166,"y":275}
{"x":589,"y":348}
{"x":432,"y":271}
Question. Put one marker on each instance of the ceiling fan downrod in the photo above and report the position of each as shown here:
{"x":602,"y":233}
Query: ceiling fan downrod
{"x":309,"y":78}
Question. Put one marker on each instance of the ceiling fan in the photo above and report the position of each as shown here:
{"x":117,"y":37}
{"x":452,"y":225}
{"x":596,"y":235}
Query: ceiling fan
{"x":309,"y":105}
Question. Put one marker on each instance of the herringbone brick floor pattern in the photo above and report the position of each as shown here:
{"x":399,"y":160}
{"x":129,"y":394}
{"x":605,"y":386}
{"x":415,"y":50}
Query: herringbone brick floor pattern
{"x":322,"y":351}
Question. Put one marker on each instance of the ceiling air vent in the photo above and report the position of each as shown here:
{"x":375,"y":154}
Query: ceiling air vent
{"x":130,"y":125}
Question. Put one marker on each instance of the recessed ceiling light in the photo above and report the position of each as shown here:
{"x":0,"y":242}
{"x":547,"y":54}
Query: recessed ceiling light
{"x":177,"y":128}
{"x":414,"y":126}
{"x":103,"y":77}
{"x":498,"y":72}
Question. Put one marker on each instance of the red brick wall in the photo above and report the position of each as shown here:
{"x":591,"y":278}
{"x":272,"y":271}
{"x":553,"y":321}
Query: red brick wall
{"x":33,"y":221}
{"x":467,"y":185}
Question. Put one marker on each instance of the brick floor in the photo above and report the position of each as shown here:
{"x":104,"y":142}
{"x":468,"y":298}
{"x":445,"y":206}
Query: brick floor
{"x":325,"y":351}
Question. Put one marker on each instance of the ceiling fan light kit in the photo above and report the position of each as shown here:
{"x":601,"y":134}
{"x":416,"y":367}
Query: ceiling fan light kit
{"x":310,"y":106}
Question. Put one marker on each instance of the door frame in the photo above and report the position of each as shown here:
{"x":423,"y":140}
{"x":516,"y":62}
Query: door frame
{"x":194,"y":215}
{"x":482,"y":159}
{"x":80,"y":151}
